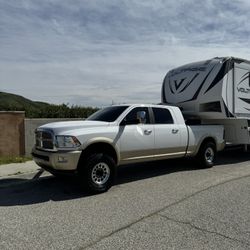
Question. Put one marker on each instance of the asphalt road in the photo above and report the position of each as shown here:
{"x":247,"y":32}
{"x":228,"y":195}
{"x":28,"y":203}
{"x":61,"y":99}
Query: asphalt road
{"x":163,"y":205}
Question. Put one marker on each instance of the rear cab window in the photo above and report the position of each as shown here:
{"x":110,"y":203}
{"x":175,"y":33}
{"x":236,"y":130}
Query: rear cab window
{"x":162,"y":116}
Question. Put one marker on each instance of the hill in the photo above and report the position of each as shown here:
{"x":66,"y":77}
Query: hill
{"x":16,"y":102}
{"x":34,"y":109}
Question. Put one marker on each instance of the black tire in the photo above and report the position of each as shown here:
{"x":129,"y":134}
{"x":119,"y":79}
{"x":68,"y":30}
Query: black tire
{"x":207,"y":155}
{"x":97,"y":173}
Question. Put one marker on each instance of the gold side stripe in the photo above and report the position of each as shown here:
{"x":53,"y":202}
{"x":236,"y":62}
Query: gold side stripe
{"x":153,"y":156}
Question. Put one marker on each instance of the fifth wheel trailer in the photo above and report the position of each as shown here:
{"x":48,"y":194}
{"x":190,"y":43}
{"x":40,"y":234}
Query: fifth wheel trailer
{"x":215,"y":91}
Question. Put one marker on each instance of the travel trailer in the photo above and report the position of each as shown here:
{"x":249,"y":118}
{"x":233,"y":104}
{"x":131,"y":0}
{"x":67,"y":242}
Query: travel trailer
{"x":215,"y":91}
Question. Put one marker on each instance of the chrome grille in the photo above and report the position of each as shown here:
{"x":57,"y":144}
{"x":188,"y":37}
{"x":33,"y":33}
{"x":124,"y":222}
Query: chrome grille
{"x":44,"y":140}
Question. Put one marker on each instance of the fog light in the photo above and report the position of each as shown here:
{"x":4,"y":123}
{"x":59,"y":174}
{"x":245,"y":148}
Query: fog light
{"x":62,"y":159}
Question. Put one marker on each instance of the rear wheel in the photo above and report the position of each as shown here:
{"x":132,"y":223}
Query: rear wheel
{"x":98,"y":172}
{"x":207,"y":154}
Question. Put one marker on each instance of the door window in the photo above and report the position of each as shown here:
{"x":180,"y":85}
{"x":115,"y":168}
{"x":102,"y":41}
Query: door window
{"x":132,"y":115}
{"x":162,"y":116}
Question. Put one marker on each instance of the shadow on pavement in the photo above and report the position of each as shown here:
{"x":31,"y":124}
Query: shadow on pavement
{"x":134,"y":172}
{"x":147,"y":170}
{"x":232,"y":156}
{"x":14,"y":191}
{"x":40,"y":190}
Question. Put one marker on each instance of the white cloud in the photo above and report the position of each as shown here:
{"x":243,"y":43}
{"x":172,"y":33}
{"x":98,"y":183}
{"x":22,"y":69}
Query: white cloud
{"x":93,"y":52}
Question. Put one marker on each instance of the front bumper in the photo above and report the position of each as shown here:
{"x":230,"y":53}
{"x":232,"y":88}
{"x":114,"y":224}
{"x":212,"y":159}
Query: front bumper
{"x":59,"y":161}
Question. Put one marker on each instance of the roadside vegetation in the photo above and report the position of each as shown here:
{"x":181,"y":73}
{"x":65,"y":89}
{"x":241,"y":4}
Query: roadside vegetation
{"x":13,"y":159}
{"x":58,"y":111}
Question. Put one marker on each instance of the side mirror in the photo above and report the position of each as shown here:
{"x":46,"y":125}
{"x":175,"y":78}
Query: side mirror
{"x":141,"y":116}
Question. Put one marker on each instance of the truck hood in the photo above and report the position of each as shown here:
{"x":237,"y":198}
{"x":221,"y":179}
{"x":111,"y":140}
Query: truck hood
{"x":67,"y":126}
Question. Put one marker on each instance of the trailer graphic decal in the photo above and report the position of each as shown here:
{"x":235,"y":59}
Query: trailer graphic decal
{"x":223,"y":71}
{"x":203,"y":82}
{"x":214,"y":89}
{"x":228,"y":113}
{"x":247,"y":75}
{"x":245,"y":100}
{"x":178,"y":85}
{"x":190,"y":82}
{"x":243,"y":89}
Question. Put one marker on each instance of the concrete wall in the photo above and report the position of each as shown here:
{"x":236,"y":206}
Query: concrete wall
{"x":30,"y":126}
{"x":12,"y":133}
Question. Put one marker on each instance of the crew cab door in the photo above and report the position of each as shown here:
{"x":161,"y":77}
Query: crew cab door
{"x":136,"y":140}
{"x":170,"y":137}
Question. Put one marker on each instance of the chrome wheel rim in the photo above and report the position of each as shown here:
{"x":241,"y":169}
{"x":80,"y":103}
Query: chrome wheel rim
{"x":100,"y":173}
{"x":209,"y":155}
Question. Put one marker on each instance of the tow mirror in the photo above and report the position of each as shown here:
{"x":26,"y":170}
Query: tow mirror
{"x":141,"y":116}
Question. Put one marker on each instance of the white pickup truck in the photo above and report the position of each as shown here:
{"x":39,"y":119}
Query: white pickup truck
{"x":122,"y":134}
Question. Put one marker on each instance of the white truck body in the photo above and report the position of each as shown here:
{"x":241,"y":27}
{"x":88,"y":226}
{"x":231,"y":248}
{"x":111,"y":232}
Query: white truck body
{"x":119,"y":135}
{"x":163,"y":134}
{"x":216,"y":91}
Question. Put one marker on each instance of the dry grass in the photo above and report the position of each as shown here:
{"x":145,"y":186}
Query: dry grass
{"x":13,"y":159}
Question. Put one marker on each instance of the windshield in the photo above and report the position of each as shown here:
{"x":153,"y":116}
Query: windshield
{"x":109,"y":114}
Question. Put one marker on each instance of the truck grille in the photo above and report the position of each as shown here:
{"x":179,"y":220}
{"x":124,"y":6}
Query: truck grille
{"x":44,"y":140}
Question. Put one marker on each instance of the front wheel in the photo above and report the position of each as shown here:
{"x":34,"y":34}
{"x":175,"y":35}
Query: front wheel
{"x":98,"y":173}
{"x":207,"y":154}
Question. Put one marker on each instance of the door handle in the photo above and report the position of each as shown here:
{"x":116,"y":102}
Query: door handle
{"x":147,"y":132}
{"x":175,"y":131}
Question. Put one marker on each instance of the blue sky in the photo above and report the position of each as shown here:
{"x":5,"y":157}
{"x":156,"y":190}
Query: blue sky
{"x":95,"y":52}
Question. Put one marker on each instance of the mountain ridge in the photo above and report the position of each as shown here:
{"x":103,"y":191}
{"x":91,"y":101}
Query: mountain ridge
{"x":38,"y":109}
{"x":9,"y":100}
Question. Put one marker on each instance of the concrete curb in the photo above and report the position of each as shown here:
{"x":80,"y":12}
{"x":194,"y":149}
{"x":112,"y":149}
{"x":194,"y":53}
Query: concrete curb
{"x":15,"y":169}
{"x":18,"y":173}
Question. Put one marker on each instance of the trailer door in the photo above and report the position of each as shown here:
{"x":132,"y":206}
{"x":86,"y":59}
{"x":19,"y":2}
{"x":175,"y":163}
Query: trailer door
{"x":242,"y":89}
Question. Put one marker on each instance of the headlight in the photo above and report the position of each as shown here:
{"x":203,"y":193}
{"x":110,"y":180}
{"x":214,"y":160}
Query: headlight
{"x":63,"y":141}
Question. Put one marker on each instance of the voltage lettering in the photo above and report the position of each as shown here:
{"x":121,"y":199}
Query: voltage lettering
{"x":243,"y":90}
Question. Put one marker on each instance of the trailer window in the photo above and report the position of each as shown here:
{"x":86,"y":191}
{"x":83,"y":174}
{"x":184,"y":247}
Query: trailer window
{"x":210,"y":107}
{"x":162,"y":116}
